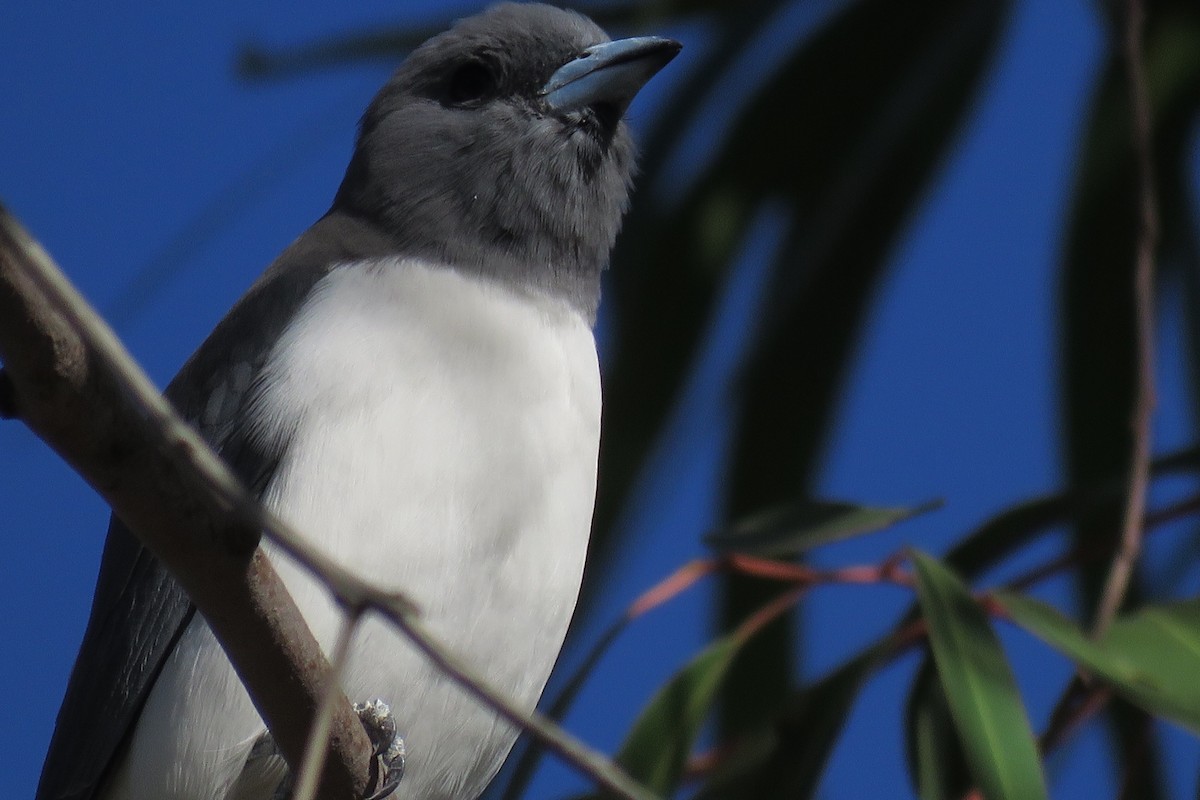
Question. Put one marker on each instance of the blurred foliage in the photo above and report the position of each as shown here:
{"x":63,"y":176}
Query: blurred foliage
{"x":880,"y":90}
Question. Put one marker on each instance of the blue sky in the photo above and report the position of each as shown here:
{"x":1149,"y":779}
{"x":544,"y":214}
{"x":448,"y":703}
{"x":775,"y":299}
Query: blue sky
{"x":124,"y":124}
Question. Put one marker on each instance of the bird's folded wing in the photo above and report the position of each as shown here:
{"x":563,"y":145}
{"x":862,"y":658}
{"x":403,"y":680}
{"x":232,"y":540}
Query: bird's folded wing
{"x":138,"y":614}
{"x":139,"y":610}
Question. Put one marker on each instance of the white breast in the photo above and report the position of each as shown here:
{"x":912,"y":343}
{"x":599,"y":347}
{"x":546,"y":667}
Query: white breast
{"x":445,"y":442}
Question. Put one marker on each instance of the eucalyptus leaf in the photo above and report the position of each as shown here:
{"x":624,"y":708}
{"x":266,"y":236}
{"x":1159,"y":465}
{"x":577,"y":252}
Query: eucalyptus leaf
{"x":795,"y":528}
{"x":1163,"y":642}
{"x":935,"y":758}
{"x":784,"y":758}
{"x":743,"y":758}
{"x":852,"y":161}
{"x":656,"y":750}
{"x":980,"y":690}
{"x":807,"y":730}
{"x":1150,"y":657}
{"x":1019,"y":525}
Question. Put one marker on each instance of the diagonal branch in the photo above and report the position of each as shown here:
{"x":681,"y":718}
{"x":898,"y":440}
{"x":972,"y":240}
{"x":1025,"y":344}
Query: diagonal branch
{"x":1147,"y":244}
{"x":70,"y":380}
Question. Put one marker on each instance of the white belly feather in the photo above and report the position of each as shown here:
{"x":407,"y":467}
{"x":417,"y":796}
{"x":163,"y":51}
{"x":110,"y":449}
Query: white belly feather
{"x":447,"y":435}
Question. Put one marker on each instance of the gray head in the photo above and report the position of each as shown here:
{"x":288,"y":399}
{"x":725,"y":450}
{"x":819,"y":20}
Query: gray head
{"x":498,"y":147}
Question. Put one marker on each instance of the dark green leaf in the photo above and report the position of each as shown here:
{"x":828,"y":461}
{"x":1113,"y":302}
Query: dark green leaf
{"x":806,"y":732}
{"x":656,"y":749}
{"x":879,"y":125}
{"x":980,"y":689}
{"x":653,"y":344}
{"x":879,"y":134}
{"x":1179,"y":83}
{"x":798,"y":527}
{"x":936,"y":762}
{"x":743,"y":758}
{"x":1022,"y":524}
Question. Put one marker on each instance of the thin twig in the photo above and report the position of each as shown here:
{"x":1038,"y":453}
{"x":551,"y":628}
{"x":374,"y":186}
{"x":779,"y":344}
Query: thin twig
{"x":1079,"y":702}
{"x":1133,"y":777}
{"x":318,"y":734}
{"x":1147,"y":244}
{"x":670,"y":587}
{"x":1154,"y":520}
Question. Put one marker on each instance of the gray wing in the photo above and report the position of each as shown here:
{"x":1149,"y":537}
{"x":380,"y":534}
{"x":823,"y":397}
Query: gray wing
{"x":139,"y":611}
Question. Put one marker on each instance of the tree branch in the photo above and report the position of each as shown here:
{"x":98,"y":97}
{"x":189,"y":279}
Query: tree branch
{"x":1144,"y":399}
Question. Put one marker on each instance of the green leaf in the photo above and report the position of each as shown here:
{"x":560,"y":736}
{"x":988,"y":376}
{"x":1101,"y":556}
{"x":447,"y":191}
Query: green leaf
{"x":795,"y":528}
{"x":1163,"y":644}
{"x":1061,"y":633}
{"x":935,"y":758}
{"x":656,"y":749}
{"x":745,"y":757}
{"x":1150,"y":657}
{"x":806,"y":731}
{"x":1019,"y":525}
{"x":783,"y":758}
{"x":980,"y":690}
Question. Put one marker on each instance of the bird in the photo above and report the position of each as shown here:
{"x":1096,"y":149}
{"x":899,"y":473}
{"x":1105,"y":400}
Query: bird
{"x":413,"y":383}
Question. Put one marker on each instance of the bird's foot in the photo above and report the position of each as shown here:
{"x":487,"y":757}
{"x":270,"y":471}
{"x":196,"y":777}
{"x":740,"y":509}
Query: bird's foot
{"x":387,"y":751}
{"x":387,"y":744}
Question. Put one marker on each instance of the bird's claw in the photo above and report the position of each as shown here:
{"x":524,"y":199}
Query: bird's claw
{"x":387,"y":751}
{"x":387,"y":746}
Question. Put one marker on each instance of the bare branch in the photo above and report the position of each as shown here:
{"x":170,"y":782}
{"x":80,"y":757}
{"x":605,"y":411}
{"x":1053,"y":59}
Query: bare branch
{"x":1147,"y":244}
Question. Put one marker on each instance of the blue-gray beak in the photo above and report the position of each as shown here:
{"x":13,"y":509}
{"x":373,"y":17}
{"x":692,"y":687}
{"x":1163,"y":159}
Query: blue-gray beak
{"x":612,"y":72}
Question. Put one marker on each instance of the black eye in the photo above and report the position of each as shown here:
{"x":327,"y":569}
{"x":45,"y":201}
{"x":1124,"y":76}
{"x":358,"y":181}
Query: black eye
{"x":471,"y":82}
